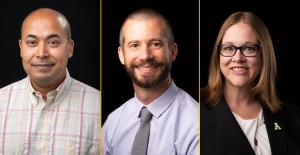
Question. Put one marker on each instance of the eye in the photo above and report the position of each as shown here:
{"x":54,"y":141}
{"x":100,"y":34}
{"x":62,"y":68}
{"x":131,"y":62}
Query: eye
{"x":31,"y":43}
{"x":155,"y":44}
{"x":53,"y":43}
{"x":133,"y":45}
{"x":249,"y":48}
{"x":227,"y":48}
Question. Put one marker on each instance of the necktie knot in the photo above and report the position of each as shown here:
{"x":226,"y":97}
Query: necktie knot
{"x":145,"y":115}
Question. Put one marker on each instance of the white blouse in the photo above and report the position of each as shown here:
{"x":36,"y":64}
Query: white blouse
{"x":256,"y":133}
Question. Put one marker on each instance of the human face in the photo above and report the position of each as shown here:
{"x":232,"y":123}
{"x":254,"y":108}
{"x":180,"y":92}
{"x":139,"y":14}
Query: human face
{"x":146,"y":56}
{"x":240,"y":71}
{"x":45,"y":49}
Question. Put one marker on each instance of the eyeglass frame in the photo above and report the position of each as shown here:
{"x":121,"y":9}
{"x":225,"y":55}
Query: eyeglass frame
{"x":240,"y":48}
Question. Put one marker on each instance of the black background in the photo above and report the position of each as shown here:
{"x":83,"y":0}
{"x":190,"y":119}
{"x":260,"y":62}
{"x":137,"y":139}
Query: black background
{"x":282,"y":19}
{"x":184,"y":19}
{"x":84,"y":18}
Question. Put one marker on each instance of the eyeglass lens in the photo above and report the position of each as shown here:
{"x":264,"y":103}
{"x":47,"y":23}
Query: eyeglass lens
{"x":247,"y":50}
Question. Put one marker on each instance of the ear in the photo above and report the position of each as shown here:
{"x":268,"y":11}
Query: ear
{"x":71,"y":47}
{"x":174,"y":50}
{"x":20,"y":45}
{"x":121,"y":55}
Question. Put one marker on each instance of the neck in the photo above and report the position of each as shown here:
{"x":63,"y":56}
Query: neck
{"x":148,"y":95}
{"x":242,"y":102}
{"x":45,"y":87}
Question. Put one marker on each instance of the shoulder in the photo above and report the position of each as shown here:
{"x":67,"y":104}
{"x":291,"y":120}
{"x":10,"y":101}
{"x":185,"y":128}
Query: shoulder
{"x":117,"y":113}
{"x":290,"y":109}
{"x":288,"y":105}
{"x":21,"y":84}
{"x":16,"y":84}
{"x":292,"y":125}
{"x":79,"y":84}
{"x":12,"y":91}
{"x":89,"y":95}
{"x":80,"y":88}
{"x":114,"y":118}
{"x":187,"y":102}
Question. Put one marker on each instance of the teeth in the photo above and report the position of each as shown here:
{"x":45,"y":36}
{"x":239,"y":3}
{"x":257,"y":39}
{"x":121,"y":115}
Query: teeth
{"x":146,"y":68}
{"x":238,"y":69}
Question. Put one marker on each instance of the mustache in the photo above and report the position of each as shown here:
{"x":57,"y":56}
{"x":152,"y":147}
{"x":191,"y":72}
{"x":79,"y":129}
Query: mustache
{"x":142,"y":63}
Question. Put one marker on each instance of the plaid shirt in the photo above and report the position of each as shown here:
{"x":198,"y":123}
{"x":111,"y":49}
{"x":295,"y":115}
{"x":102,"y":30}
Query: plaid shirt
{"x":67,"y":123}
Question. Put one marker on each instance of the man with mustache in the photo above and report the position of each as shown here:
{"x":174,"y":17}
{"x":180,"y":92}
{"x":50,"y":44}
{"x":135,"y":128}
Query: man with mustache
{"x":48,"y":112}
{"x":147,"y":50}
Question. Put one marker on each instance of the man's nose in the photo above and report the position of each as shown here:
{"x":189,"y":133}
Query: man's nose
{"x":42,"y":51}
{"x":145,"y":53}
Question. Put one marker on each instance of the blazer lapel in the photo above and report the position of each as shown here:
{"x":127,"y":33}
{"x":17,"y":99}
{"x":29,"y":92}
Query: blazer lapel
{"x":224,"y":121}
{"x":275,"y":124}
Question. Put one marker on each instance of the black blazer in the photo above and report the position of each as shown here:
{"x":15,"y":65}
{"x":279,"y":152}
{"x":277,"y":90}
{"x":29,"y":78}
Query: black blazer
{"x":220,"y":133}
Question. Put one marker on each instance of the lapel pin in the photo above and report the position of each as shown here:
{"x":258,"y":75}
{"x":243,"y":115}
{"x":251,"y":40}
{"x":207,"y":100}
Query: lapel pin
{"x":277,"y":127}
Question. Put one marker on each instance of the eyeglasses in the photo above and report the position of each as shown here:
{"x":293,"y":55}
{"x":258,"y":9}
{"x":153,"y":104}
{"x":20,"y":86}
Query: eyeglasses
{"x":248,"y":50}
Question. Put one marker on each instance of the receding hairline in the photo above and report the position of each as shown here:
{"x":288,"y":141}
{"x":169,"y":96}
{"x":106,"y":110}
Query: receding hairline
{"x":139,"y":16}
{"x":143,"y":14}
{"x":143,"y":18}
{"x":59,"y":15}
{"x":148,"y":14}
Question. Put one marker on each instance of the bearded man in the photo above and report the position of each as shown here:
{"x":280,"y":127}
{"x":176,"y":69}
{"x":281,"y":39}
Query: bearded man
{"x":170,"y":126}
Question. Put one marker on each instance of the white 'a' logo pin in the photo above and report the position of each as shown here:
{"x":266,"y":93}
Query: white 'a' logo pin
{"x":277,"y":127}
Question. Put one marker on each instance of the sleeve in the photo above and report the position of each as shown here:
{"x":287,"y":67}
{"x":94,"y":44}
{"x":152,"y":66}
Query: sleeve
{"x":292,"y":118}
{"x":194,"y":148}
{"x":106,"y":147}
{"x":187,"y":143}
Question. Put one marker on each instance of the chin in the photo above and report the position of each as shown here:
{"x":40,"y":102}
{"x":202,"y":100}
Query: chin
{"x":240,"y":84}
{"x":40,"y":77}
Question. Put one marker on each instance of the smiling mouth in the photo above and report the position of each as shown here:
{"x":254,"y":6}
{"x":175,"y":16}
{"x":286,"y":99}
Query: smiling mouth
{"x":239,"y":69}
{"x":146,"y":68}
{"x":43,"y":67}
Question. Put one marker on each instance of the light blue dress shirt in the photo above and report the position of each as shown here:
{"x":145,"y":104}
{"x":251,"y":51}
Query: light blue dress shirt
{"x":174,"y":127}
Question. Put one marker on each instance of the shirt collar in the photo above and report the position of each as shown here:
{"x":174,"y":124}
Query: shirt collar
{"x":61,"y":89}
{"x":162,"y":103}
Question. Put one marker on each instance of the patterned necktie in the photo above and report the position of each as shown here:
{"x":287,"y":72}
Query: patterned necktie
{"x":140,"y":143}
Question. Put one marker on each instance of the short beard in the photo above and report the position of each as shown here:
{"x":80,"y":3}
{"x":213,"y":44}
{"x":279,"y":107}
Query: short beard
{"x":149,"y":80}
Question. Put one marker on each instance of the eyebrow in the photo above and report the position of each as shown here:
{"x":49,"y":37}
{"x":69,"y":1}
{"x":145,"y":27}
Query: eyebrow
{"x":48,"y":37}
{"x":159,"y":40}
{"x":133,"y":41}
{"x":244,"y":43}
{"x":151,"y":40}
